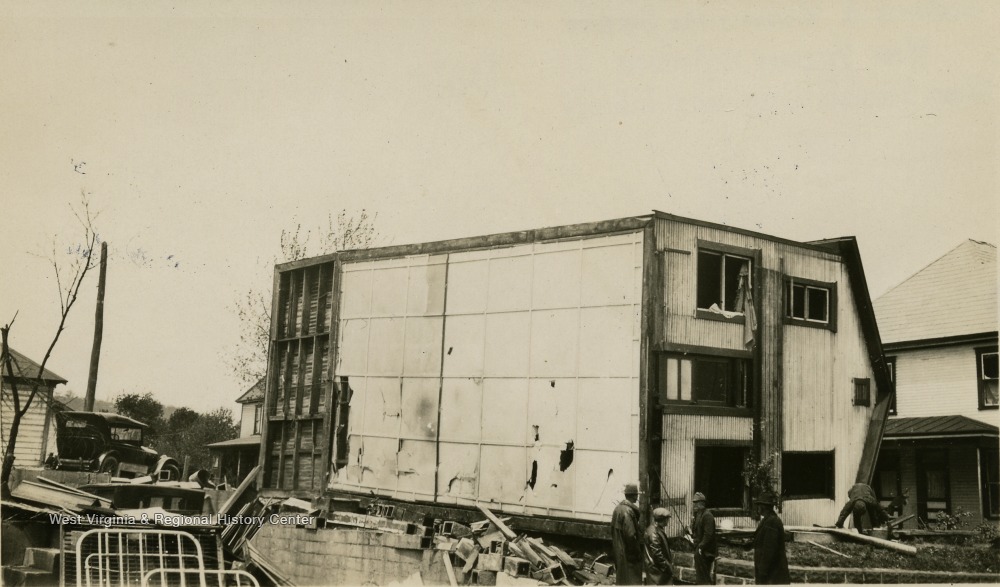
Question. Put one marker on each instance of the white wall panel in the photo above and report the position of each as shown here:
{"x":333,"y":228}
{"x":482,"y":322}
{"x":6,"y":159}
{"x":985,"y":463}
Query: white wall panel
{"x":510,"y":284}
{"x":352,"y":358}
{"x":356,"y":294}
{"x":556,"y":279}
{"x":464,"y":342}
{"x":467,"y":286}
{"x":461,"y":409}
{"x":381,"y":408}
{"x":554,"y":341}
{"x":608,"y":275}
{"x":458,"y":478}
{"x":419,"y":406}
{"x":505,"y":411}
{"x":385,"y":346}
{"x":502,"y":471}
{"x":552,"y":411}
{"x":606,"y":341}
{"x":389,"y":291}
{"x":422,"y":347}
{"x":604,"y":415}
{"x":507,"y":352}
{"x":425,"y":291}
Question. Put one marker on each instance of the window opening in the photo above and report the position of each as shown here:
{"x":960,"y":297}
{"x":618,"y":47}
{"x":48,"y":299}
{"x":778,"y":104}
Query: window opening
{"x":986,"y":365}
{"x":890,"y":365}
{"x":258,"y":411}
{"x":807,"y":475}
{"x":862,"y":392}
{"x":719,"y":280}
{"x":718,"y":473}
{"x":704,"y":380}
{"x":808,"y":302}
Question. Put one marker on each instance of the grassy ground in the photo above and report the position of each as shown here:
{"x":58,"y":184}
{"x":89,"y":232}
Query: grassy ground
{"x":975,"y":558}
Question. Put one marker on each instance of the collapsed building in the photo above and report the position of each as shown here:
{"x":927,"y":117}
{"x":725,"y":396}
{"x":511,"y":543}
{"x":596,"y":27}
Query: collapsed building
{"x":536,"y":372}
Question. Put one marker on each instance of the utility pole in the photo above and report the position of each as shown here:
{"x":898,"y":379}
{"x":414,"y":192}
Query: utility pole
{"x":95,"y":352}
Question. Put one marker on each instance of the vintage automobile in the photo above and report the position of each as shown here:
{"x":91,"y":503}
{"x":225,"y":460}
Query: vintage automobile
{"x":109,"y":443}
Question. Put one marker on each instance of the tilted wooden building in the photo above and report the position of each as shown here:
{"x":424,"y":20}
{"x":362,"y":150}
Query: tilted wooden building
{"x":536,"y":372}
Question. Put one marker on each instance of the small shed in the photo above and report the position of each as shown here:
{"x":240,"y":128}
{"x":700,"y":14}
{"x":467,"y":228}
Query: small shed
{"x":33,"y":433}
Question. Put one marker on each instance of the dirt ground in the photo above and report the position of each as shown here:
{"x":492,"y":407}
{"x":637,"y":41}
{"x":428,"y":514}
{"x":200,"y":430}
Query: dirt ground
{"x":973,"y":558}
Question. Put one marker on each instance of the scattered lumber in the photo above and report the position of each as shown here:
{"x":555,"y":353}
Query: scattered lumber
{"x":235,"y":497}
{"x":857,"y":537}
{"x":56,"y":497}
{"x":506,"y":531}
{"x":450,"y":569}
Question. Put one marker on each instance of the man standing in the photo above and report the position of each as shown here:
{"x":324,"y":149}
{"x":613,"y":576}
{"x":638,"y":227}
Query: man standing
{"x":861,"y":499}
{"x":659,"y":559}
{"x":626,"y":538}
{"x":705,"y":547}
{"x":770,"y":564}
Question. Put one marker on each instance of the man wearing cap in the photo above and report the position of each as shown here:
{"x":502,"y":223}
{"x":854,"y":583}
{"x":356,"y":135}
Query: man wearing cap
{"x":626,"y":538}
{"x":861,"y":499}
{"x":770,"y":564}
{"x":659,"y":559}
{"x":705,"y":547}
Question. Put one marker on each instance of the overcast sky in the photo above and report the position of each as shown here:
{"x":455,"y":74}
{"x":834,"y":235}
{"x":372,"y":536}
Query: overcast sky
{"x":202,"y":131}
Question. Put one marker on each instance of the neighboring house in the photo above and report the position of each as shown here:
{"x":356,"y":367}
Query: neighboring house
{"x":537,"y":372}
{"x":233,"y":459}
{"x":33,"y":436}
{"x":939,"y":330}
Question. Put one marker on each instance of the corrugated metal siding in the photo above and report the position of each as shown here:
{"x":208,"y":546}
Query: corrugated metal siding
{"x":939,"y":382}
{"x":816,"y":369}
{"x":31,"y":438}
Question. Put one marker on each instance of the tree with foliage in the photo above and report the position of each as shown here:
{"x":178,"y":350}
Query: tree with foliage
{"x":69,"y":278}
{"x":189,"y":434}
{"x":345,"y":232}
{"x":144,"y":408}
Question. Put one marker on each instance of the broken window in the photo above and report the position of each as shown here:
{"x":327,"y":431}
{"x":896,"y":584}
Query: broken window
{"x":862,"y":391}
{"x":258,"y":411}
{"x":705,"y":380}
{"x":720,"y":276}
{"x":718,"y":473}
{"x":986,"y":365}
{"x":810,"y":303}
{"x":343,"y":415}
{"x":807,"y":475}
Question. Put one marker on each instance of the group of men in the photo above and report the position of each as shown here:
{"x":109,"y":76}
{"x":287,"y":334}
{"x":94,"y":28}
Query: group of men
{"x":636,"y":551}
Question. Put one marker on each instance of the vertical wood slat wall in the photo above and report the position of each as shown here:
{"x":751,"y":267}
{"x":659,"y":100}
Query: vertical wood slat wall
{"x":297,"y":443}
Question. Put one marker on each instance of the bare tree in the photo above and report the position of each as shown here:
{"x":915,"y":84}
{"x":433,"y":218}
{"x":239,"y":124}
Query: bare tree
{"x":69,"y":278}
{"x":342,"y":232}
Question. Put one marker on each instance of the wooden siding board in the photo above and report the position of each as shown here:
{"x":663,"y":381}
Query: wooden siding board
{"x":939,"y":382}
{"x":32,"y":437}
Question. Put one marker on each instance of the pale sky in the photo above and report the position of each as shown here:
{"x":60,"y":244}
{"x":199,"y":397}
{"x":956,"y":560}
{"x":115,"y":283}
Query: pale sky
{"x":203,"y":130}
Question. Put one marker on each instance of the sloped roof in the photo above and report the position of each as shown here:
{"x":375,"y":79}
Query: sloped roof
{"x":953,"y":296}
{"x":254,"y":394}
{"x":938,"y":426}
{"x":242,"y":441}
{"x":25,"y":368}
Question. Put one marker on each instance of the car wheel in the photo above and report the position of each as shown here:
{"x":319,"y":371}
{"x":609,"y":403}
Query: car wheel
{"x":173,"y":473}
{"x":109,"y":465}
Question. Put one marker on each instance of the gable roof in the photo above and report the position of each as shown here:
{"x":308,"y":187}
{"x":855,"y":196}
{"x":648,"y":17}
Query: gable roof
{"x":956,"y":295}
{"x":938,"y":426}
{"x":254,"y":394}
{"x":25,"y":368}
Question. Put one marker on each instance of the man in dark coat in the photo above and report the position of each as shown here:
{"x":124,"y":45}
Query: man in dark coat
{"x":770,"y":564}
{"x":705,"y":546}
{"x":861,"y":499}
{"x":626,"y":538}
{"x":659,"y":559}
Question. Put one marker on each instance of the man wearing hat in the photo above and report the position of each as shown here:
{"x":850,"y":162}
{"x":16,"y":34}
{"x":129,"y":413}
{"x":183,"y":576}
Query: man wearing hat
{"x":705,"y":547}
{"x":861,"y":499}
{"x":659,"y":559}
{"x":770,"y":564}
{"x":626,"y":538}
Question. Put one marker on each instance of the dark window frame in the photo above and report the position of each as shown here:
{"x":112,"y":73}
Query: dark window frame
{"x":988,"y":459}
{"x":828,"y":469}
{"x":751,"y":256}
{"x":890,"y":363}
{"x":745,"y":447}
{"x":258,"y":417}
{"x":739,"y":400}
{"x":981,"y":377}
{"x":862,"y":392}
{"x":831,"y":303}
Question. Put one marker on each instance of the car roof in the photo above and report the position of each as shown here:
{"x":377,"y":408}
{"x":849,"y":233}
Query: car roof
{"x":111,"y":419}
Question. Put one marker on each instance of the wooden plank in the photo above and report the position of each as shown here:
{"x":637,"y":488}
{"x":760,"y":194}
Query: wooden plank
{"x":451,"y":571}
{"x":849,"y":535}
{"x":224,"y":509}
{"x":814,"y":543}
{"x":507,"y":532}
{"x":649,"y":447}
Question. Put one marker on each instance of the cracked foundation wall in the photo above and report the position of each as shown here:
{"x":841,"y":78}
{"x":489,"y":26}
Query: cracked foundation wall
{"x":508,"y":376}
